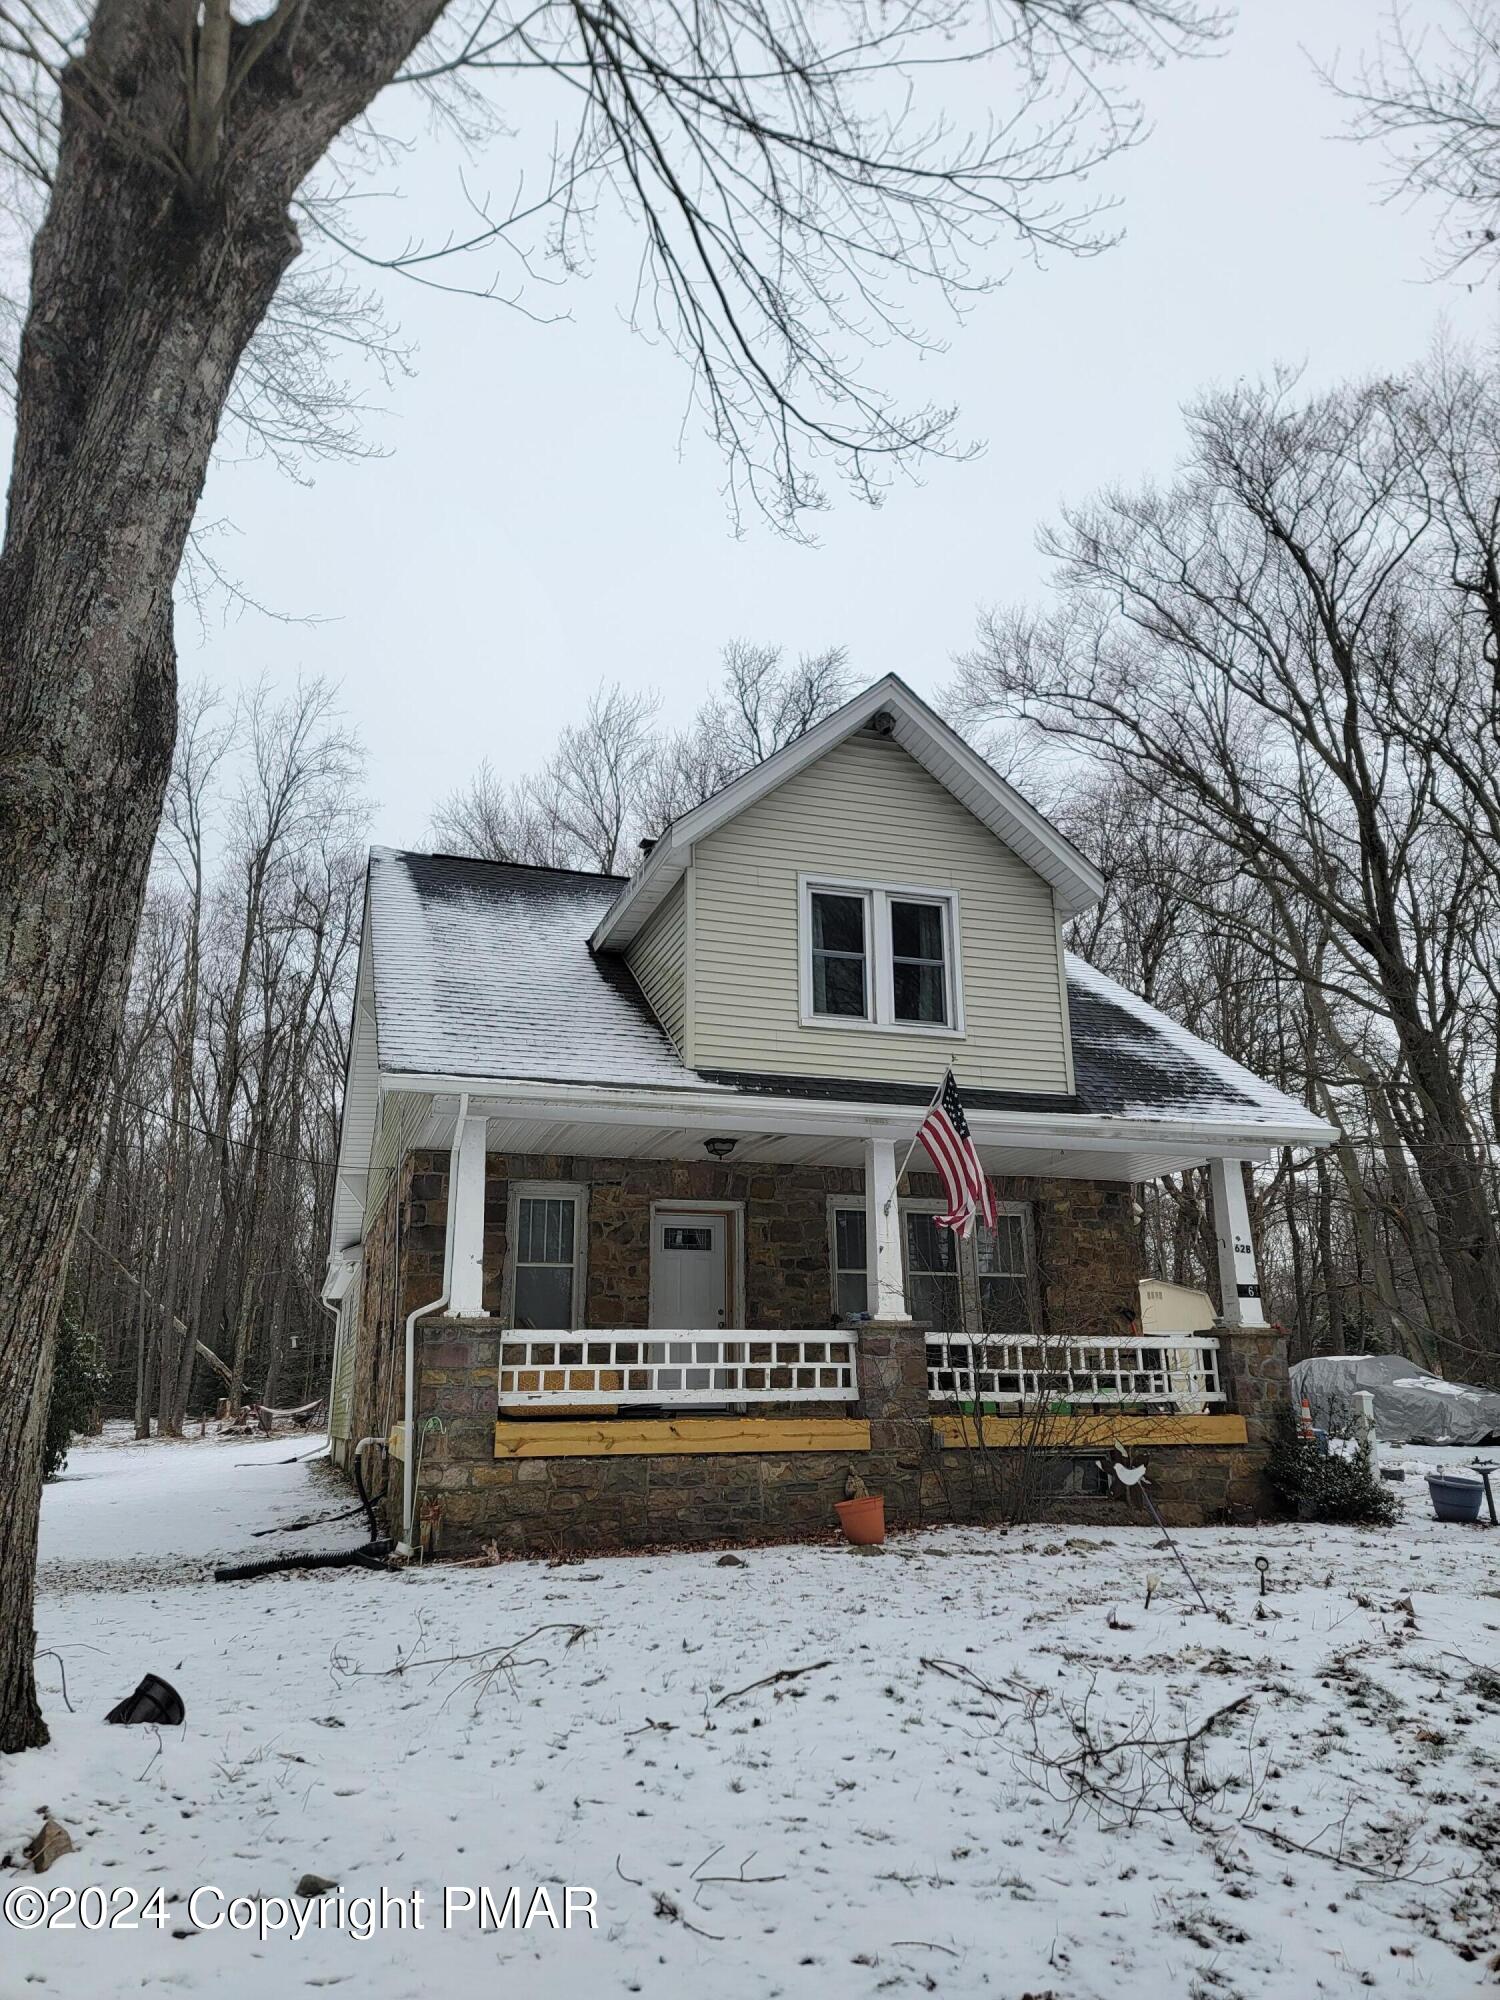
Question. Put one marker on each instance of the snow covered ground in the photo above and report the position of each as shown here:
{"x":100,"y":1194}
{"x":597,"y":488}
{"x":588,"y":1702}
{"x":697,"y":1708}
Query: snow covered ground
{"x":892,"y":1822}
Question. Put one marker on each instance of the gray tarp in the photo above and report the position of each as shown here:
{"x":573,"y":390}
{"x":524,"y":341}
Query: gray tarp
{"x":1411,"y":1405}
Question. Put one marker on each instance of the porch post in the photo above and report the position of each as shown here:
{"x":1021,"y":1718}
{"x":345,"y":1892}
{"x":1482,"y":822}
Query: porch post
{"x":887,"y":1290}
{"x":1239,"y":1281}
{"x":466,"y":1193}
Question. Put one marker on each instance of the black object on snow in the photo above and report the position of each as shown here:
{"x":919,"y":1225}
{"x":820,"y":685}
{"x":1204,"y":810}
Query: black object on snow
{"x":155,"y":1700}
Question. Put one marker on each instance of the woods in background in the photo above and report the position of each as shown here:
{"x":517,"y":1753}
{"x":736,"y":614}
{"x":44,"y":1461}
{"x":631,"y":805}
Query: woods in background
{"x":200,"y":1254}
{"x":1282,"y":676}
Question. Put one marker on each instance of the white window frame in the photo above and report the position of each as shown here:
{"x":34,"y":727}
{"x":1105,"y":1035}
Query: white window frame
{"x":578,"y":1193}
{"x":969,"y":1292}
{"x":880,"y":956}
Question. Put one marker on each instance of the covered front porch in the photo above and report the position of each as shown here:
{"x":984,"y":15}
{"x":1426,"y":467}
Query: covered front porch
{"x":761,"y":1279}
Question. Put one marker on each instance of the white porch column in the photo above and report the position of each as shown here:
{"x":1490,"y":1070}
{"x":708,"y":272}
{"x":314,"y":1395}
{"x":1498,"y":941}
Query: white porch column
{"x":887,"y":1292}
{"x":466,"y":1193}
{"x":1239,"y":1281}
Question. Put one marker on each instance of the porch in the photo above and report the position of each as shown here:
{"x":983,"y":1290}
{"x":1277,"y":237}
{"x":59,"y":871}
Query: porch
{"x":693,"y":1317}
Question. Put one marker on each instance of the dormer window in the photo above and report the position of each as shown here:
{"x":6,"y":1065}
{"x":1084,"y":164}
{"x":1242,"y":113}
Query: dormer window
{"x":919,"y":963}
{"x":879,"y":955}
{"x":840,"y":954}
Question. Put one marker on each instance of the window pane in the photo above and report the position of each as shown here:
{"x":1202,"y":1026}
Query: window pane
{"x":851,"y":1292}
{"x":932,"y":1294}
{"x":545,"y":1232}
{"x":838,"y":923}
{"x":544,"y":1296}
{"x":919,"y":965}
{"x":838,"y":986}
{"x":917,"y":930}
{"x":1005,"y":1308}
{"x":687,"y":1239}
{"x":920,"y":992}
{"x":1004,"y":1251}
{"x":849,"y":1239}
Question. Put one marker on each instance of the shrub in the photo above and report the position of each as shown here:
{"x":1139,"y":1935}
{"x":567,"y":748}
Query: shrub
{"x":78,"y":1382}
{"x":1337,"y":1488}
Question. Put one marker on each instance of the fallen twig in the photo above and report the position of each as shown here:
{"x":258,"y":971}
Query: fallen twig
{"x":665,"y":1907}
{"x":954,"y":1670}
{"x":50,"y":1653}
{"x":773,"y":1680}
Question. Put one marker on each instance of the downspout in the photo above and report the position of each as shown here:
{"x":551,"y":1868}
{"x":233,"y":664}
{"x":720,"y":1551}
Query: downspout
{"x":409,"y":1455}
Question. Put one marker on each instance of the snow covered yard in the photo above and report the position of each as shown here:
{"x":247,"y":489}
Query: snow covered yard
{"x":893,"y":1825}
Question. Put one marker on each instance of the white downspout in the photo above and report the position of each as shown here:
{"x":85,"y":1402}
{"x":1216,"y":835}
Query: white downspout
{"x":409,"y":1455}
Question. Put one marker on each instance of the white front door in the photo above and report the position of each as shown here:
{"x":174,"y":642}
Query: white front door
{"x":689,"y":1269}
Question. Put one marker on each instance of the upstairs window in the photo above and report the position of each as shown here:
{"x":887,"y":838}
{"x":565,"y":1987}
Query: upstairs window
{"x":840,"y":955}
{"x":919,"y":963}
{"x":879,"y":956}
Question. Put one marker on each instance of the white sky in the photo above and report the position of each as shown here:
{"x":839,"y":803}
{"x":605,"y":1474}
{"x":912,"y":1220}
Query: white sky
{"x":542,"y":519}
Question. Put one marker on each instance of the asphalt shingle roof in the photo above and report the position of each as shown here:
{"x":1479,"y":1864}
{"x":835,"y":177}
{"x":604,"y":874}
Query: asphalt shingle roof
{"x":483,"y":969}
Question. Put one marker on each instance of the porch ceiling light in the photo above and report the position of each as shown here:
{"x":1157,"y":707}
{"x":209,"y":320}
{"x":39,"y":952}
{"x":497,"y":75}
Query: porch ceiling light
{"x":720,"y":1148}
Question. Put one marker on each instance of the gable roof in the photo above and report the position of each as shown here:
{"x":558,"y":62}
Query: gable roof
{"x":923,"y":734}
{"x":483,"y":970}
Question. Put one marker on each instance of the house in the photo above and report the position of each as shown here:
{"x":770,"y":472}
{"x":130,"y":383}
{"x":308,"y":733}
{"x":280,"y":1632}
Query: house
{"x":626,"y":1245}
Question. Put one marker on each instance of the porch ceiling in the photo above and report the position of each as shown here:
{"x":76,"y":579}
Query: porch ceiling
{"x":624,"y":1141}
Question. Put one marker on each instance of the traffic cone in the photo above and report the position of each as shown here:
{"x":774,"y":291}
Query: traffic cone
{"x":1304,"y":1421}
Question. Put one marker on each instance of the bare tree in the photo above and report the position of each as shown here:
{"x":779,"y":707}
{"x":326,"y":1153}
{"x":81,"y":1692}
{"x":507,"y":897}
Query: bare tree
{"x":1281,"y":655}
{"x":616,"y":777}
{"x":788,"y":195}
{"x":1429,"y":97}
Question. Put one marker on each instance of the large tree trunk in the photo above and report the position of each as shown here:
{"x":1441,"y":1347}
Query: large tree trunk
{"x":125,"y":365}
{"x":148,"y":278}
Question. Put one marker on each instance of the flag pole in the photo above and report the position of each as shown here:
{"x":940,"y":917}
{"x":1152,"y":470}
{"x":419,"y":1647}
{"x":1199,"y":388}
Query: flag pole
{"x":906,"y":1162}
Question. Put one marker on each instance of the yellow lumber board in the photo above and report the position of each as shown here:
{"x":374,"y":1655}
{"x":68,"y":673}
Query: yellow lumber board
{"x":651,"y":1437}
{"x":1096,"y":1429}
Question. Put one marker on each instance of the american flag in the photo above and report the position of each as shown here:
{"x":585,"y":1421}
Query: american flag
{"x":950,"y":1146}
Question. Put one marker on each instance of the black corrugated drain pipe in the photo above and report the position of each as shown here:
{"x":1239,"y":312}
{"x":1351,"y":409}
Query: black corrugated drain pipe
{"x":373,"y":1554}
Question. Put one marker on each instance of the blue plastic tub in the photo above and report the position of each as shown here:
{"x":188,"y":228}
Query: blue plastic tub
{"x":1454,"y":1499}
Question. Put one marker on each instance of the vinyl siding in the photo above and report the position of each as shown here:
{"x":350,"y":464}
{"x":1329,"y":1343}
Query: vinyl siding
{"x":658,"y":960}
{"x":341,"y":1400}
{"x":868,"y":811}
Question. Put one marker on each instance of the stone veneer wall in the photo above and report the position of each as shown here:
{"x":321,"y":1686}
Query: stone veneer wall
{"x":1087,"y":1247}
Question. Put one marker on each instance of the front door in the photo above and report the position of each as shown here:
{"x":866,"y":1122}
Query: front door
{"x":689,"y":1269}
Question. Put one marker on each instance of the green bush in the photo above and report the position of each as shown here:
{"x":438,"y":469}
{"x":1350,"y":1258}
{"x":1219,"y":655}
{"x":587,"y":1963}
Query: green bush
{"x":78,"y":1383}
{"x":1335,"y":1488}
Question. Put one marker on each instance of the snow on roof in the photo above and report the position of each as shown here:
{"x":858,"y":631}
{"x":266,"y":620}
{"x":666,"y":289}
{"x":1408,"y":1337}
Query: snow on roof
{"x":1134,"y":1061}
{"x":483,"y":969}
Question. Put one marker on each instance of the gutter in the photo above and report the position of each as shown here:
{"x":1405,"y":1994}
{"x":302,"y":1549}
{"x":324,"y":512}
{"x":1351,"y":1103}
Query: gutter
{"x":407,"y":1545}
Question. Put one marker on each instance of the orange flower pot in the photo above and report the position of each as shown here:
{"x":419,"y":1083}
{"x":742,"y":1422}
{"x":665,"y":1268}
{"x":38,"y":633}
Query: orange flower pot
{"x":862,"y":1520}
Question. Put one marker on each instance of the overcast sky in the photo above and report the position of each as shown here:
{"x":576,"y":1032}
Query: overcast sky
{"x":541,"y":519}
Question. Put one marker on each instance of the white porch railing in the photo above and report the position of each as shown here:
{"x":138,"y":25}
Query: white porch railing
{"x":724,"y":1366}
{"x":1182,"y":1371}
